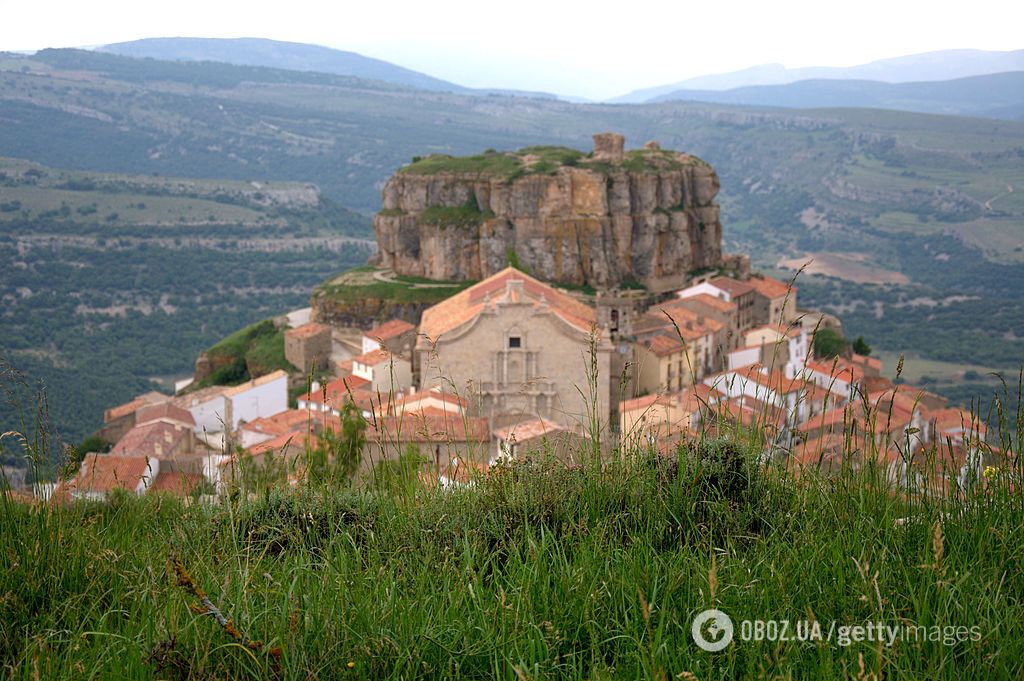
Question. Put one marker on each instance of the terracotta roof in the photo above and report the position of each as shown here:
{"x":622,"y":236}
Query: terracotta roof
{"x":155,"y":439}
{"x":285,"y":422}
{"x":769,"y":287}
{"x":175,"y":482}
{"x":307,"y":330}
{"x":953,"y":419}
{"x":663,"y":345}
{"x":255,"y":383}
{"x":166,"y":410}
{"x":337,"y":391}
{"x":869,"y":362}
{"x":105,"y":472}
{"x":687,"y":319}
{"x":783,"y":330}
{"x":389,"y":329}
{"x":529,"y":430}
{"x":409,"y":402}
{"x":139,"y":402}
{"x":643,"y":402}
{"x":836,"y":369}
{"x":374,"y":357}
{"x":281,"y":442}
{"x":709,"y":300}
{"x":462,"y":307}
{"x":419,"y":427}
{"x":731,"y":286}
{"x":774,"y":380}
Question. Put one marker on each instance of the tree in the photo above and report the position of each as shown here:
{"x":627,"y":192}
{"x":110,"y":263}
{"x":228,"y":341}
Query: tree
{"x":828,"y":343}
{"x":861,"y":347}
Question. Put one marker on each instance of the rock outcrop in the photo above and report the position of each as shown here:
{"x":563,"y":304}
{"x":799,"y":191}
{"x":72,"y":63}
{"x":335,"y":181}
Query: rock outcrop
{"x":606,"y":219}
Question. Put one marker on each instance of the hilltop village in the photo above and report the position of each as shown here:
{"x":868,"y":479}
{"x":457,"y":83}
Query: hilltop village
{"x":541,"y":302}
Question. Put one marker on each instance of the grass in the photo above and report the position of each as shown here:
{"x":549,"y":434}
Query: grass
{"x":540,"y":571}
{"x":359,"y":284}
{"x":248,"y":353}
{"x":465,"y":216}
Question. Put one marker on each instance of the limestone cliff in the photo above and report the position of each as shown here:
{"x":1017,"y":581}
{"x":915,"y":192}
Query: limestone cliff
{"x":603,"y":219}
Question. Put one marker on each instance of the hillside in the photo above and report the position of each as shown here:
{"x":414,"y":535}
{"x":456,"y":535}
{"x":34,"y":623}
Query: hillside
{"x":894,"y":195}
{"x":278,"y":55}
{"x":927,"y":66}
{"x":990,"y":96}
{"x":111,"y":282}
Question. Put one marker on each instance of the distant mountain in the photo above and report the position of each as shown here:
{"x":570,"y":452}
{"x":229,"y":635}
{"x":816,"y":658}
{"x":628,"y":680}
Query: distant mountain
{"x":280,"y":55}
{"x":928,"y":66}
{"x":296,"y":57}
{"x":999,"y":95}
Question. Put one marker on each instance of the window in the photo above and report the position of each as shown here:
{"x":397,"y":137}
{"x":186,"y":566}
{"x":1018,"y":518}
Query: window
{"x":515,"y":342}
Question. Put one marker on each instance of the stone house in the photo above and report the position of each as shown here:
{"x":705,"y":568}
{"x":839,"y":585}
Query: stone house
{"x":397,"y":336}
{"x":774,"y":301}
{"x":517,"y":347}
{"x":308,"y":347}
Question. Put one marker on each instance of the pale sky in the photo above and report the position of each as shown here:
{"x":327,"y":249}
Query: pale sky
{"x":593,"y":49}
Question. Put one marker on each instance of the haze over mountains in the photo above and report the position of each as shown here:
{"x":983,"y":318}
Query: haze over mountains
{"x":949,"y":82}
{"x":291,"y":56}
{"x":929,"y":66}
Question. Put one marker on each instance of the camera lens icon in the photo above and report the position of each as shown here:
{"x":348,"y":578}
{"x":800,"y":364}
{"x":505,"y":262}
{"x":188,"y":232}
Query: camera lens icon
{"x":712,"y":630}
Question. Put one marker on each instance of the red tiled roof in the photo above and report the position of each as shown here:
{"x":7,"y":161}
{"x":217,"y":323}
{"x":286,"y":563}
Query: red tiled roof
{"x":165,"y":410}
{"x":175,"y":482}
{"x":389,"y":329}
{"x":529,"y":430}
{"x":285,"y":422}
{"x":105,"y":472}
{"x":432,"y":393}
{"x":643,"y":402}
{"x":708,"y":300}
{"x":731,"y":286}
{"x":285,"y":440}
{"x":155,"y":439}
{"x":337,"y":391}
{"x":837,"y":369}
{"x":373,"y":357}
{"x":139,"y":402}
{"x":769,"y":287}
{"x":663,"y":345}
{"x":419,"y":427}
{"x":466,"y":305}
{"x":307,"y":330}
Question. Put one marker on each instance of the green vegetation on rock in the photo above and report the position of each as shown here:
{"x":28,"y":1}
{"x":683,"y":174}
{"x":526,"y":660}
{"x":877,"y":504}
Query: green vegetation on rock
{"x":465,"y":216}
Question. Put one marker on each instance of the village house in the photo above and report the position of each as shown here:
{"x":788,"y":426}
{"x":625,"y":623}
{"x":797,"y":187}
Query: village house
{"x":780,"y":346}
{"x":397,"y":336}
{"x":101,"y":474}
{"x":739,"y":293}
{"x":774,"y":301}
{"x":219,"y":408}
{"x":383,"y":372}
{"x":120,"y":419}
{"x":517,"y":347}
{"x":308,"y":347}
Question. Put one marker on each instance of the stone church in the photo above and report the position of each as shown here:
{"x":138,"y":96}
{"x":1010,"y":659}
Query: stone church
{"x":518,"y":349}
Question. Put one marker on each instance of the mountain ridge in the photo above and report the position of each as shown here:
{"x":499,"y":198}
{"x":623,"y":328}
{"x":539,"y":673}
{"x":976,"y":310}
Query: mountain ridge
{"x":999,"y":95}
{"x":924,"y":66}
